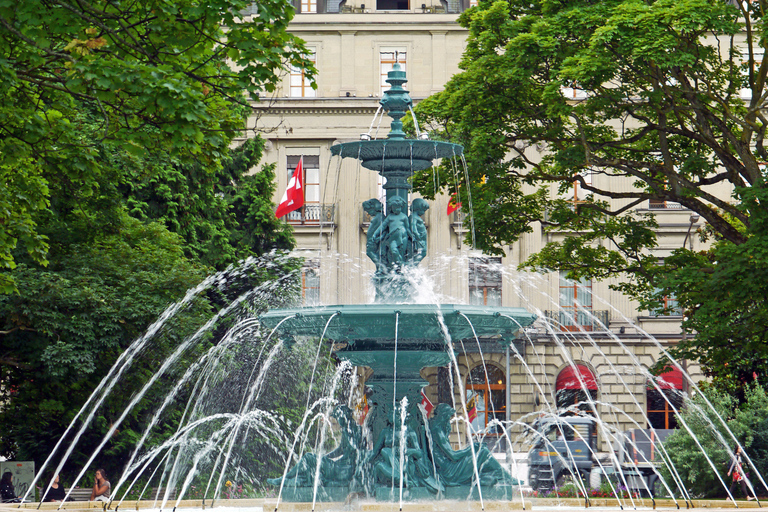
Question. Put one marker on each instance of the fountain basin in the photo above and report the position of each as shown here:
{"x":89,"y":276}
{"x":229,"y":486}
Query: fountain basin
{"x":423,"y":325}
{"x":407,"y":336}
{"x":395,"y":155}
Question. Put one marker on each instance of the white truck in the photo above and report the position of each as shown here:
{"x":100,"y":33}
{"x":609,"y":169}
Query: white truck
{"x":566,"y":447}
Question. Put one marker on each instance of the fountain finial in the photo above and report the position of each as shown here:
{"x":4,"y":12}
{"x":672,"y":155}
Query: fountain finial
{"x":395,"y":101}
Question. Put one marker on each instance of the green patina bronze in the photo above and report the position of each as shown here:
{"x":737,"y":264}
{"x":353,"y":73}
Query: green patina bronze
{"x":397,"y":339}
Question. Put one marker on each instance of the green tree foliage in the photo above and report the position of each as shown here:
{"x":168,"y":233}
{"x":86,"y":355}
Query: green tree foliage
{"x":223,"y":216}
{"x":628,"y":102}
{"x":154,"y":76}
{"x":746,"y":421}
{"x":68,"y":323}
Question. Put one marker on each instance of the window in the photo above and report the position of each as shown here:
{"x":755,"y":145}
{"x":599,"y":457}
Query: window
{"x":381,"y":192}
{"x":576,"y":386}
{"x":301,"y":86}
{"x":310,"y":283}
{"x":758,"y":52}
{"x":486,"y":385}
{"x":387,"y":59}
{"x":575,"y":304}
{"x":663,"y":402}
{"x":308,"y":6}
{"x":573,"y":92}
{"x":392,"y":5}
{"x":485,"y":281}
{"x":668,"y":306}
{"x":577,"y":194}
{"x":311,"y":211}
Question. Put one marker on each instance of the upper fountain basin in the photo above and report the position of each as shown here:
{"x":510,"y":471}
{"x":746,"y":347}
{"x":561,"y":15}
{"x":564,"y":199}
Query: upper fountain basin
{"x":397,"y":154}
{"x":409,"y":323}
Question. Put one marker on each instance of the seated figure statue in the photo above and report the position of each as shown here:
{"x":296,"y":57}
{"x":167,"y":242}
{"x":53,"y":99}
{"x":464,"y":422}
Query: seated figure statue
{"x":384,"y":459}
{"x":340,"y":467}
{"x":455,"y":467}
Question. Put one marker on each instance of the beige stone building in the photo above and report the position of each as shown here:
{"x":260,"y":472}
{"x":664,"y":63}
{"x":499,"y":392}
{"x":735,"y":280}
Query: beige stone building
{"x":354,"y":46}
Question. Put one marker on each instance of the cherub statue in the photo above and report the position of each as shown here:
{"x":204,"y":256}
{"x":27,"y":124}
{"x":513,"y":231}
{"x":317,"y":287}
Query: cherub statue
{"x":394,"y":233}
{"x":419,"y":231}
{"x":372,"y":246}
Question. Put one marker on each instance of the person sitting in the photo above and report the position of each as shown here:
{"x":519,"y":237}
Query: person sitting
{"x":55,"y":492}
{"x":7,"y":492}
{"x":101,"y":487}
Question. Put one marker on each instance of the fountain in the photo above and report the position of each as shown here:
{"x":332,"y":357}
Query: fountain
{"x":408,"y":457}
{"x":227,"y":429}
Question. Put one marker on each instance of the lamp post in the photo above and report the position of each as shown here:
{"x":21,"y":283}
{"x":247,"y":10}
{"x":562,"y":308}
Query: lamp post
{"x":694,"y":219}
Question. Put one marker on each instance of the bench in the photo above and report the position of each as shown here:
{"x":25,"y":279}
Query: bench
{"x":78,"y":493}
{"x":84,"y":493}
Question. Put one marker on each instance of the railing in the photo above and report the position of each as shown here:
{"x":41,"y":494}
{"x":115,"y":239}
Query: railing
{"x":313,"y":215}
{"x":458,"y":216}
{"x":576,"y":320}
{"x":664,"y":205}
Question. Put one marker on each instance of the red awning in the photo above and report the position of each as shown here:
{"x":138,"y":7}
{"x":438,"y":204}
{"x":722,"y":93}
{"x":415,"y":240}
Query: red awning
{"x":568,"y":378}
{"x":672,"y":379}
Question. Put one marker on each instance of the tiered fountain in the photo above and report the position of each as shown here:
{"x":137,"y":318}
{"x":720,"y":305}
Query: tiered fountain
{"x":408,"y":456}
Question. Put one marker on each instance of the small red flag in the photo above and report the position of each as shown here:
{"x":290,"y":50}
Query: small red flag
{"x":293,"y":197}
{"x":452,"y":204}
{"x":426,"y":403}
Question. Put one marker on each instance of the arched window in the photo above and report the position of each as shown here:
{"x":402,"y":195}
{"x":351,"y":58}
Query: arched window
{"x":486,"y":388}
{"x":662,"y":403}
{"x":572,"y":385}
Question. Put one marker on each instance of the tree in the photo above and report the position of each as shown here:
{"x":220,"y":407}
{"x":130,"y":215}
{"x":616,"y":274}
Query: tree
{"x":153,"y":75}
{"x":659,"y":115}
{"x":68,"y":323}
{"x":746,"y":421}
{"x":223,"y":215}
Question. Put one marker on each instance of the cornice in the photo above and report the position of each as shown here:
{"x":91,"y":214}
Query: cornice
{"x":316,"y":110}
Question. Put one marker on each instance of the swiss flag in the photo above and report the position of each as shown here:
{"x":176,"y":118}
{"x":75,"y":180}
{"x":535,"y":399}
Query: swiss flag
{"x":426,"y":403}
{"x":293,"y":197}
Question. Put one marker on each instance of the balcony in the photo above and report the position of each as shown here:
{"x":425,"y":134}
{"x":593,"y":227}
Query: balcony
{"x":664,"y":205}
{"x":579,"y":320}
{"x":313,"y":215}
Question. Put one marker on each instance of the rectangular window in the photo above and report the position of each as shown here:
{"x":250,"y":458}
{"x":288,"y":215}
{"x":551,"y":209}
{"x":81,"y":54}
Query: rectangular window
{"x":746,"y":92}
{"x":578,"y":194}
{"x":301,"y":86}
{"x":485,"y":281}
{"x":311,"y":212}
{"x":310,"y":283}
{"x":575,"y":304}
{"x":668,"y":307}
{"x":392,"y":5}
{"x":574,"y":92}
{"x":661,"y":407}
{"x":387,"y":59}
{"x":308,"y":6}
